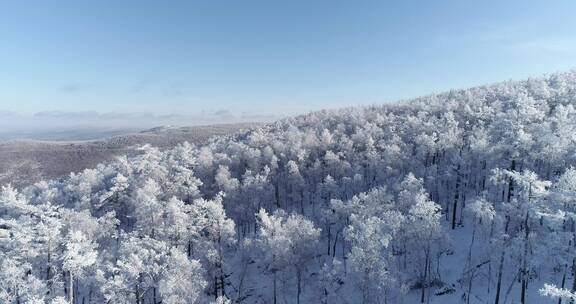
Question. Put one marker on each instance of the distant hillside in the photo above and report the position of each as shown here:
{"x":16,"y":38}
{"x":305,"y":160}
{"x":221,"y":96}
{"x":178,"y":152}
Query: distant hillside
{"x":23,"y":162}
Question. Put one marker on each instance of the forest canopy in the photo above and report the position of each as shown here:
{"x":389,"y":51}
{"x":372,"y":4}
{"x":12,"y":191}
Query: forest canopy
{"x":468,"y":195}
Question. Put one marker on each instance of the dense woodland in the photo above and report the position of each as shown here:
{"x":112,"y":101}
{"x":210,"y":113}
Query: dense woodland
{"x":463,"y":197}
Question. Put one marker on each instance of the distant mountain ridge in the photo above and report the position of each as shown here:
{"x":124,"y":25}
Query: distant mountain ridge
{"x":24,"y":161}
{"x":59,"y":125}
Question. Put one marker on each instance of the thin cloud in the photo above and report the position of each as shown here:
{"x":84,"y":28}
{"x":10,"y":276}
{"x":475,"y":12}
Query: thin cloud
{"x":149,"y":87}
{"x":558,"y":45}
{"x":74,"y":87}
{"x":173,"y":90}
{"x":521,"y":39}
{"x":141,"y":86}
{"x":67,"y":115}
{"x":509,"y":39}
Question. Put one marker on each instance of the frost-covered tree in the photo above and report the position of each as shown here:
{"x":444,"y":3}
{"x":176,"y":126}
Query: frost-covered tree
{"x":287,"y":241}
{"x":215,"y":233}
{"x":182,"y":281}
{"x":80,"y":254}
{"x":19,"y":285}
{"x":137,"y":272}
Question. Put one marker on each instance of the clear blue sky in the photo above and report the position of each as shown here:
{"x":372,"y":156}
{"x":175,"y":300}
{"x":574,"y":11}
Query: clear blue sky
{"x":268,"y":57}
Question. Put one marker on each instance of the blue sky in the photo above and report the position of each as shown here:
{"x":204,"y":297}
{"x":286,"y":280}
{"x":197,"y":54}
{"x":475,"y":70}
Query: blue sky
{"x":268,"y":57}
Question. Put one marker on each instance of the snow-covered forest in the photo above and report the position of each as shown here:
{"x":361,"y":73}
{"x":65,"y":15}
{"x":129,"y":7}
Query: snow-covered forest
{"x":463,"y":197}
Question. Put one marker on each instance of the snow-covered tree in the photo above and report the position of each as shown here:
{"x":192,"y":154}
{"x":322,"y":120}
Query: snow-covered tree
{"x":80,"y":254}
{"x":182,"y":281}
{"x":287,"y":241}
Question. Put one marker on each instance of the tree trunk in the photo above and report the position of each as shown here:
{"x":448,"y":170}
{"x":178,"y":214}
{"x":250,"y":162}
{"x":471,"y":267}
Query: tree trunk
{"x":462,"y":206}
{"x":302,"y":202}
{"x":48,"y":270}
{"x":222,"y":283}
{"x":137,"y":294}
{"x":469,"y":292}
{"x":524,"y":272}
{"x":523,"y":290}
{"x":456,"y":198}
{"x":511,"y":183}
{"x":70,"y":288}
{"x":469,"y":263}
{"x":329,"y":237}
{"x":563,"y":283}
{"x":484,"y":175}
{"x":299,"y":282}
{"x":215,"y":288}
{"x":65,"y":286}
{"x":499,"y":282}
{"x":277,"y":194}
{"x":424,"y":279}
{"x":574,"y":275}
{"x":335,"y":242}
{"x":274,"y":287}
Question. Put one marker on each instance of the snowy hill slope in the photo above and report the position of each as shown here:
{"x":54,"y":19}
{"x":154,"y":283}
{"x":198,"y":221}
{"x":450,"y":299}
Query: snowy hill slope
{"x":463,"y":197}
{"x":23,"y":162}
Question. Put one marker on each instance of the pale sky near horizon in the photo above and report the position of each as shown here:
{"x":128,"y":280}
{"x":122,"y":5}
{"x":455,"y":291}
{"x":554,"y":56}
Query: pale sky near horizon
{"x":268,"y":57}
